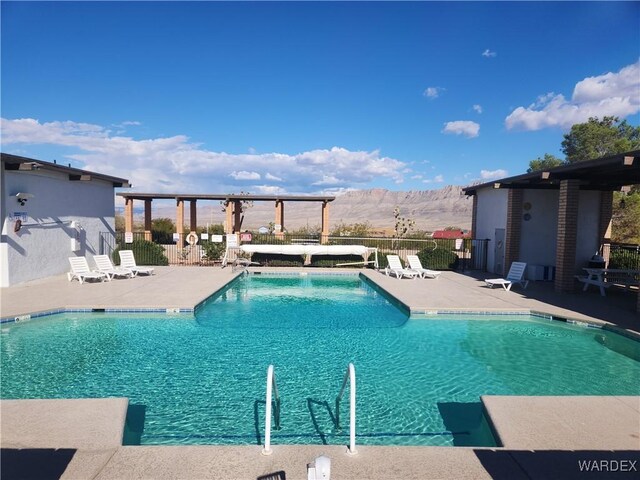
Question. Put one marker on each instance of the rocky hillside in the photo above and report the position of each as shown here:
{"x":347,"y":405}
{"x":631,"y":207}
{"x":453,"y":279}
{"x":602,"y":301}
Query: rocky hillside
{"x":431,"y":210}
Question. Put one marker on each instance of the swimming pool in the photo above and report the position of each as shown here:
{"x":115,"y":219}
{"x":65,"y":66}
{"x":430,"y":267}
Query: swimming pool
{"x":201,"y":379}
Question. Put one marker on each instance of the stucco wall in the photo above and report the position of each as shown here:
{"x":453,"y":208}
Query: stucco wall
{"x":539,"y":234}
{"x":42,"y":247}
{"x":491,"y":214}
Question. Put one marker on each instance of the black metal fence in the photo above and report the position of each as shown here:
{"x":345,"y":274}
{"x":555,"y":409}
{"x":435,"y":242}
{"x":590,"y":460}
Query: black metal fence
{"x":623,"y":256}
{"x":453,"y":254}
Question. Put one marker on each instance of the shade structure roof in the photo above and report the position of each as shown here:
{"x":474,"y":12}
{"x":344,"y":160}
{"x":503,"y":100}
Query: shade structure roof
{"x":226,"y":197}
{"x":607,"y":173}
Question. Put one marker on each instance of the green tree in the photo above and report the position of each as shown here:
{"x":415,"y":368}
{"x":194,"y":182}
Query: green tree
{"x":162,"y":230}
{"x":545,"y":163}
{"x":626,"y":217}
{"x":599,"y":138}
{"x":119,"y":223}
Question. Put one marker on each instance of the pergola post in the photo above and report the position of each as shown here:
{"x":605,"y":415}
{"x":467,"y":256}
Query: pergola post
{"x":193,"y":221}
{"x":180,"y":220}
{"x":237,"y":212}
{"x":228,"y":223}
{"x":324,"y":235}
{"x":279,"y":220}
{"x":147,"y":220}
{"x":128,"y":214}
{"x":567,"y":235}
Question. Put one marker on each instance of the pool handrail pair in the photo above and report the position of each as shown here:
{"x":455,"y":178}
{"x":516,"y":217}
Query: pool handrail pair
{"x":272,"y":387}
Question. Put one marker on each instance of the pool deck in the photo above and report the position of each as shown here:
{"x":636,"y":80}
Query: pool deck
{"x":542,"y":437}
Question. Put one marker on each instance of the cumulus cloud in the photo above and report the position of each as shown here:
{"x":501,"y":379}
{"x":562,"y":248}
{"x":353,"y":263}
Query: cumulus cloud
{"x":177,"y":164}
{"x":433,"y":92}
{"x":273,"y":178}
{"x":462,"y":127}
{"x":488,"y":53}
{"x":244,"y":175}
{"x":493,"y":174}
{"x":477,"y":108}
{"x":616,"y":94}
{"x":436,"y":179}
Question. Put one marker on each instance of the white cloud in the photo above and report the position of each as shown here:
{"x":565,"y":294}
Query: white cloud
{"x":176,"y":164}
{"x":436,"y":179}
{"x":462,"y":127}
{"x":252,"y":151}
{"x":416,"y":177}
{"x":478,"y":108}
{"x":130,"y":122}
{"x":433,"y":92}
{"x":328,"y":180}
{"x":488,"y":53}
{"x":243,"y":175}
{"x":493,"y":174}
{"x":268,"y":190}
{"x":615,"y":94}
{"x":273,"y":178}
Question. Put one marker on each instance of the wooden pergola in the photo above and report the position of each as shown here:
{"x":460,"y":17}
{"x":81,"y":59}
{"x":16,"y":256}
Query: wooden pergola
{"x":233,"y":209}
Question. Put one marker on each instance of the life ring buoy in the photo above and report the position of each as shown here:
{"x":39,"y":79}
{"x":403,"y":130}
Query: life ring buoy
{"x":192,"y":239}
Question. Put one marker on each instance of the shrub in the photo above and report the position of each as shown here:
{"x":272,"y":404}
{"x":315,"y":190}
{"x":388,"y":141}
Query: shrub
{"x":438,"y":259}
{"x":146,"y":253}
{"x":213,"y":250}
{"x":331,"y":260}
{"x":274,"y":260}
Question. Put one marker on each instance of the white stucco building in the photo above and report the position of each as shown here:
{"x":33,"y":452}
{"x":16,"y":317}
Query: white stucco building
{"x":50,"y":212}
{"x":553,"y":220}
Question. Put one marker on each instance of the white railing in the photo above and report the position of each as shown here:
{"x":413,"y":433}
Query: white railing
{"x":272,"y":387}
{"x":350,"y":375}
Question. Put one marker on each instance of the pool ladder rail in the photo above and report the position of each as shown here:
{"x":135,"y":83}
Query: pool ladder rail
{"x":272,"y":388}
{"x":350,"y":377}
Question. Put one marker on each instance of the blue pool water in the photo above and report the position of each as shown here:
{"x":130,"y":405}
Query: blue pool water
{"x":201,"y":379}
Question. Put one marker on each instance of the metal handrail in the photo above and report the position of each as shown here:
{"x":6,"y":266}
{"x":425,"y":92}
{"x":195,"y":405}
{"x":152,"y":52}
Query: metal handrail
{"x":350,"y":375}
{"x":272,"y":387}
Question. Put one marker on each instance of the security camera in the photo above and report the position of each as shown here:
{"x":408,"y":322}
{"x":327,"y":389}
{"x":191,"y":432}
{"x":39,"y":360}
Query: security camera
{"x":23,"y":197}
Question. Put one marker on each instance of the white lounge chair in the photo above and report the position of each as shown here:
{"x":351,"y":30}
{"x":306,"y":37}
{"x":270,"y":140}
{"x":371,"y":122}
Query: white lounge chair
{"x":415,"y":264}
{"x":127,"y":260}
{"x":515,"y":275}
{"x":80,"y":270}
{"x":395,"y":268}
{"x":103,"y":262}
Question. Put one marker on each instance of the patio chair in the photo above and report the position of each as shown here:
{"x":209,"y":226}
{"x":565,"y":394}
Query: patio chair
{"x":103,"y":262}
{"x":515,"y":275}
{"x":127,"y":260}
{"x":395,"y":268}
{"x":80,"y":270}
{"x":415,"y":264}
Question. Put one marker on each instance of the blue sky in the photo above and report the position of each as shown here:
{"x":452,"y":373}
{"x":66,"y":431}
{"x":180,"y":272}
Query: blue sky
{"x":310,"y":97}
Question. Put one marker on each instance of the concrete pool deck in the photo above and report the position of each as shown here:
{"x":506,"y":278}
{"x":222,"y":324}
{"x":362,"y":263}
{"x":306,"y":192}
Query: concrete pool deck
{"x":543,"y":437}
